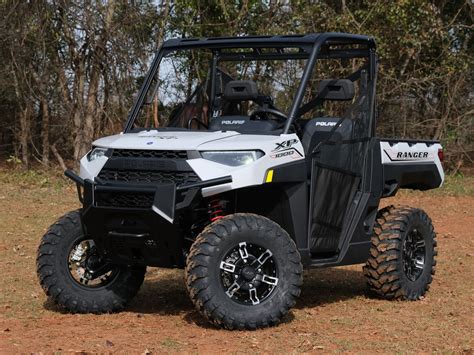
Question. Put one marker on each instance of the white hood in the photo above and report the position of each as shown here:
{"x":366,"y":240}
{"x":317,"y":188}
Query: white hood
{"x":168,"y":140}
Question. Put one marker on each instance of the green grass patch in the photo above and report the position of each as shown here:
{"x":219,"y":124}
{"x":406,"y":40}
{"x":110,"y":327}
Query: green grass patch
{"x":454,"y":185}
{"x":33,"y":178}
{"x":458,"y":185}
{"x":170,"y":343}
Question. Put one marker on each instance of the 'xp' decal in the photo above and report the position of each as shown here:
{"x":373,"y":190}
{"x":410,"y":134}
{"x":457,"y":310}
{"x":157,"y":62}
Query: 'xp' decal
{"x":286,"y":153}
{"x":285,"y":149}
{"x":285,"y":145}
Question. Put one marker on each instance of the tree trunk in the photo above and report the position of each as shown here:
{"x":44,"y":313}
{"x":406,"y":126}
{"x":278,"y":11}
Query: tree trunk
{"x":45,"y":130}
{"x":58,"y":157}
{"x":85,"y":133}
{"x":77,"y":112}
{"x":25,"y":124}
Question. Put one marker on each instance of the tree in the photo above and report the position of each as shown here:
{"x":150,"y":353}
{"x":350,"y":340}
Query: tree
{"x":71,"y":68}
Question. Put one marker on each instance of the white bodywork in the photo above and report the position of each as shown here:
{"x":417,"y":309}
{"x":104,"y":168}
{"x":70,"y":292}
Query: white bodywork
{"x":411,"y":153}
{"x":242,"y":176}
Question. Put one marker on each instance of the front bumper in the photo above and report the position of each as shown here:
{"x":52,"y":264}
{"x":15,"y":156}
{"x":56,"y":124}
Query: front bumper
{"x":137,"y":224}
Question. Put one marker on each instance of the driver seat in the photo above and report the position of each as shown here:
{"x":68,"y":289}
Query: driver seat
{"x":240,"y":90}
{"x":235,"y":92}
{"x":242,"y":124}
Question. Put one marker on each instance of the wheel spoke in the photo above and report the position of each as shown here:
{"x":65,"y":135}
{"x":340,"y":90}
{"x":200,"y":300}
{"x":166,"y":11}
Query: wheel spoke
{"x":243,"y":250}
{"x":264,"y":257}
{"x":253,"y":296}
{"x":419,"y":263}
{"x":420,"y":244}
{"x":248,"y":273}
{"x":78,"y":252}
{"x":270,"y":280}
{"x":232,"y":289}
{"x":86,"y":273}
{"x":227,"y":266}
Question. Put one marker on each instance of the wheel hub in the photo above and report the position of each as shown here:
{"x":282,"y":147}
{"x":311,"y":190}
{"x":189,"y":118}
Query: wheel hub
{"x":413,"y":255}
{"x":87,"y":267}
{"x":248,"y":273}
{"x":93,"y":262}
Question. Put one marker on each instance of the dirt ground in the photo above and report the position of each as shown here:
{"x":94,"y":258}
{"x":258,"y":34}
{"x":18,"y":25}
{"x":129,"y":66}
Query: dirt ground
{"x":333,"y":314}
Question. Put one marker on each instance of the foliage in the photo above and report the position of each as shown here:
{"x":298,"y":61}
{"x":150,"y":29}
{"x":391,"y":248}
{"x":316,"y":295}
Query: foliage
{"x":71,"y":68}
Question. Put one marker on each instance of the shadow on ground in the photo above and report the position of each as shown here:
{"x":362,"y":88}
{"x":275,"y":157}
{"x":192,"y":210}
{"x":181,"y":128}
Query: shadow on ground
{"x":164,"y":293}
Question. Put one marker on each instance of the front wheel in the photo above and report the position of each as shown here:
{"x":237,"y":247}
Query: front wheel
{"x":244,"y":272}
{"x":75,"y":276}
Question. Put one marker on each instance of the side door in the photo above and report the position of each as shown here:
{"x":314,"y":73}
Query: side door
{"x":339,"y":167}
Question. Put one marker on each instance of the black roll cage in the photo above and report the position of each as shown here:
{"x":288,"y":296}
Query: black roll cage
{"x":311,"y":46}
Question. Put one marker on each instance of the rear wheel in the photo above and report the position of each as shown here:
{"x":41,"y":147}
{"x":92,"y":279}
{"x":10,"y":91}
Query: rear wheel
{"x":74,"y":274}
{"x":402,"y":257}
{"x":244,"y":272}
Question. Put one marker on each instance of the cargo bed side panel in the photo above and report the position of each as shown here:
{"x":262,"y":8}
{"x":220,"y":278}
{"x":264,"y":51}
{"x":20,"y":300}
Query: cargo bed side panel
{"x":411,"y":165}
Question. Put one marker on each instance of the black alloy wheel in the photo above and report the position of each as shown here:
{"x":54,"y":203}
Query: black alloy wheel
{"x":413,"y":254}
{"x":249,"y":273}
{"x":74,"y":274}
{"x":243,"y":272}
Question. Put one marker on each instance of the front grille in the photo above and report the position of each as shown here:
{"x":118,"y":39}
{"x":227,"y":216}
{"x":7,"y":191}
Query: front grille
{"x":148,"y":176}
{"x":156,"y":154}
{"x":132,"y":167}
{"x":124,"y":199}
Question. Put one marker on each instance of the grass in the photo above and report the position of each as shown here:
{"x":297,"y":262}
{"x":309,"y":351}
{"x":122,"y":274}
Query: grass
{"x":457,"y":185}
{"x":170,"y":343}
{"x":33,"y":178}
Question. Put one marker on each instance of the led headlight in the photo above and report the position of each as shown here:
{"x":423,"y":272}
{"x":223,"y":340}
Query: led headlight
{"x":96,"y":153}
{"x":233,"y":158}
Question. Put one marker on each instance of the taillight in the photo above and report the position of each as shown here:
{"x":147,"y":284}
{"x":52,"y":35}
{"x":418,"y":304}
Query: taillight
{"x":441,"y":155}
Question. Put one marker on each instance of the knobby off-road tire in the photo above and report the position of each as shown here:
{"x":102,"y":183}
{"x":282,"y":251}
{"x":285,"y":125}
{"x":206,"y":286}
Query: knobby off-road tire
{"x":241,"y":242}
{"x":402,"y":258}
{"x":57,"y":281}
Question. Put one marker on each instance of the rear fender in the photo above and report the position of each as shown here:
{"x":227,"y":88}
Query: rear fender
{"x":410,"y":165}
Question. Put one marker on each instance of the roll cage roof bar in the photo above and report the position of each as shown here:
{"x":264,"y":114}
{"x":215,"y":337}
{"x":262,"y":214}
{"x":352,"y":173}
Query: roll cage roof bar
{"x":311,"y":47}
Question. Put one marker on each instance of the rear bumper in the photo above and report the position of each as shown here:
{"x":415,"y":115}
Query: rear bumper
{"x":137,"y":224}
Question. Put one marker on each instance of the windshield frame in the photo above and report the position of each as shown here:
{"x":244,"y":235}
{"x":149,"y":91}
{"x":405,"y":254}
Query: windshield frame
{"x":312,"y":47}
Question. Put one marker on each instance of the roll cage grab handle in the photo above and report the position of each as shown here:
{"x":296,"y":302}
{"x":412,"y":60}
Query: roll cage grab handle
{"x":293,"y":114}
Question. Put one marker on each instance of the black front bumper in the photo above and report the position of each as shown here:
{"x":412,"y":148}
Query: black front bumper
{"x":145,"y":232}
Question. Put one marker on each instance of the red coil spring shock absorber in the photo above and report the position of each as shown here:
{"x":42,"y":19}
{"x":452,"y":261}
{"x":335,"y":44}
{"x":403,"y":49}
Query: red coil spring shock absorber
{"x":215,"y":210}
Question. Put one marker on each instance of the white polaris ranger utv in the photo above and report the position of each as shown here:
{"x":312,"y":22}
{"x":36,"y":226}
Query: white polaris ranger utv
{"x":243,"y":161}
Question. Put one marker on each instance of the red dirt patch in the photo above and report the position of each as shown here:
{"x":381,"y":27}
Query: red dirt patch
{"x":334,"y":313}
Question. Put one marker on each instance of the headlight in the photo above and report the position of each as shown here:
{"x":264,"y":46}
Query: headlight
{"x":233,"y":158}
{"x":96,"y":153}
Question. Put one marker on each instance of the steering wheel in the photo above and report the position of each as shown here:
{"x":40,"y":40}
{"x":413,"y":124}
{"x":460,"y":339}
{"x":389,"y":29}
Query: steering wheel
{"x":272,"y":111}
{"x":198,"y":121}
